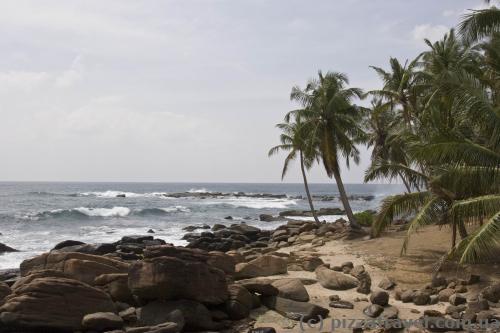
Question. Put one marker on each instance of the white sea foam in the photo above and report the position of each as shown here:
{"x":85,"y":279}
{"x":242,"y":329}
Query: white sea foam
{"x":115,"y":194}
{"x":104,"y":212}
{"x":176,"y":209}
{"x":199,"y":190}
{"x":255,"y":203}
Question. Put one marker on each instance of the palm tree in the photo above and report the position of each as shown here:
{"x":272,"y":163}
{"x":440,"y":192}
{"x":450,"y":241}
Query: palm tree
{"x":335,"y":123}
{"x":479,"y":24}
{"x":383,"y":130}
{"x":295,"y":140}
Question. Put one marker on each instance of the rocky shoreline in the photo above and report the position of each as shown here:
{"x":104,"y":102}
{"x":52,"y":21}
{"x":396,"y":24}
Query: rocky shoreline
{"x":218,"y":282}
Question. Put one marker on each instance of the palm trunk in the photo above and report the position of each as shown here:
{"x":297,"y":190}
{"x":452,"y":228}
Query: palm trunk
{"x":345,"y":201}
{"x":405,"y":182}
{"x":313,"y":211}
{"x":454,"y":236}
{"x":462,"y":230}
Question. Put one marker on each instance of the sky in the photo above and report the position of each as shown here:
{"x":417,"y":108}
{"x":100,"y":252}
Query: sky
{"x":184,"y":91}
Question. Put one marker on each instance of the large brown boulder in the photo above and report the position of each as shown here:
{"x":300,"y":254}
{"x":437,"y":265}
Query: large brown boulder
{"x":295,"y":310}
{"x":265,"y":265}
{"x":52,"y":304}
{"x":335,"y":280}
{"x":194,"y":316}
{"x":168,"y":278}
{"x":240,"y":302}
{"x":116,"y":285}
{"x":222,"y":261}
{"x":80,"y":266}
{"x":292,"y":289}
{"x":4,"y":291}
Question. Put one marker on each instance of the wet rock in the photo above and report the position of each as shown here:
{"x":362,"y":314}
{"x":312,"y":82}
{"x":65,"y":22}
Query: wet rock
{"x":171,"y":278}
{"x":217,"y":227}
{"x":373,"y":310}
{"x":292,"y":289}
{"x":4,"y":249}
{"x":335,"y":280}
{"x":102,"y":321}
{"x":265,"y":265}
{"x":379,"y":297}
{"x":67,"y":243}
{"x":52,"y":304}
{"x":228,"y":217}
{"x":295,"y":310}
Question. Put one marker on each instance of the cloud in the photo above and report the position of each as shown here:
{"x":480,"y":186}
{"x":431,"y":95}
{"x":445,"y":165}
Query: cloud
{"x":429,"y":31}
{"x":72,"y":75}
{"x":22,"y":80}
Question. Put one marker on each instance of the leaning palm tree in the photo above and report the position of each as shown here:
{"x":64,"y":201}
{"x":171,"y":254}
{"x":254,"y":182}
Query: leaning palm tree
{"x":335,"y":123}
{"x":295,"y":141}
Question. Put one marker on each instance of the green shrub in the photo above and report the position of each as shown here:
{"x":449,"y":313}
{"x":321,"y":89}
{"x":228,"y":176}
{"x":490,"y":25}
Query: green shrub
{"x":365,"y":218}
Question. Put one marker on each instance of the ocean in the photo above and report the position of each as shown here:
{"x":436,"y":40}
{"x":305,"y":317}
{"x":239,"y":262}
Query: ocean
{"x":34,"y":216}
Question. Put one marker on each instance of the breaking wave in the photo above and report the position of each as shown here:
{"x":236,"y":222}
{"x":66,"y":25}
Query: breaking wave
{"x":89,"y":212}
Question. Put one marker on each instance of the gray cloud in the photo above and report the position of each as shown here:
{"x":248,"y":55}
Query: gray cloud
{"x":182,"y":90}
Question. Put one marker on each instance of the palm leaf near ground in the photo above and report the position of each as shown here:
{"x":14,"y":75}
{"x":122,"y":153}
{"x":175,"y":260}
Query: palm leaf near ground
{"x":452,"y":144}
{"x":296,"y":142}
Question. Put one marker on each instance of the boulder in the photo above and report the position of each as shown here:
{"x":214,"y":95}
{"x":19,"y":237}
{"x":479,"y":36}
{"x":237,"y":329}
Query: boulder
{"x":477,"y":306}
{"x":240,"y":302}
{"x":178,"y":252}
{"x":52,"y":304}
{"x":167,"y":327}
{"x":222,"y":261}
{"x":116,"y":285}
{"x":457,"y":299}
{"x":379,"y":297}
{"x":171,"y":278}
{"x":335,"y":280}
{"x":373,"y":310}
{"x":407,"y":296}
{"x":386,"y":283}
{"x":67,"y":243}
{"x":4,"y":248}
{"x":129,"y":314}
{"x":421,"y":297}
{"x":95,"y":249}
{"x":191,"y":315}
{"x":292,"y":289}
{"x":311,"y":263}
{"x":340,"y":304}
{"x":390,"y":312}
{"x":365,"y":281}
{"x":492,"y":293}
{"x":445,"y":294}
{"x":265,"y":265}
{"x":295,"y":310}
{"x":80,"y":266}
{"x":4,"y":291}
{"x":261,"y":286}
{"x":102,"y":321}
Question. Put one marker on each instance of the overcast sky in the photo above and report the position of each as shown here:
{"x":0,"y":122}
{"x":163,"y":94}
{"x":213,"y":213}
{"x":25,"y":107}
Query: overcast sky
{"x":183,"y":90}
